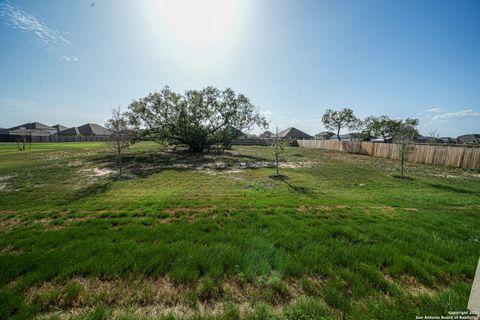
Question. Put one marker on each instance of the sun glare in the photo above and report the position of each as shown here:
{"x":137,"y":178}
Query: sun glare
{"x":198,"y":23}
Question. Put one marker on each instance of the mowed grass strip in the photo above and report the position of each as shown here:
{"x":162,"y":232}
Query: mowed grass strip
{"x":212,"y":236}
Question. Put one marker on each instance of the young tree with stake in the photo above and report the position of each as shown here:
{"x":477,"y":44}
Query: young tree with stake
{"x":278,"y":148}
{"x":120,"y":136}
{"x":403,"y":137}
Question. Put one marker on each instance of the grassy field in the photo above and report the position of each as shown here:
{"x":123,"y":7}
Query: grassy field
{"x":214,"y":237}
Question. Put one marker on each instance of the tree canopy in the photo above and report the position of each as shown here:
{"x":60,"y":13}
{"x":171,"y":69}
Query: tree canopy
{"x":338,"y":119}
{"x":198,"y":119}
{"x":381,"y":126}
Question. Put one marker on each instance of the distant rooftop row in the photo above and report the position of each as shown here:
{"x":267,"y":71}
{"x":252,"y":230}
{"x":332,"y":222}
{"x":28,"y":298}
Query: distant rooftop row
{"x":40,"y":129}
{"x":295,"y":134}
{"x":95,"y":130}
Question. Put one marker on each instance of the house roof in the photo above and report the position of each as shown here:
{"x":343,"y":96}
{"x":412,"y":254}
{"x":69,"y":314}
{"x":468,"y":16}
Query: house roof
{"x":59,"y":127}
{"x":325,"y":134}
{"x":293,"y":133}
{"x":32,"y":126}
{"x":348,"y":136}
{"x":235,"y":132}
{"x":470,"y":138}
{"x":73,"y":131}
{"x":354,"y":134}
{"x":266,"y":134}
{"x":92,"y":129}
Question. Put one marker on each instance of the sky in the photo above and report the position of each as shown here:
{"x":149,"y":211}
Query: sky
{"x":71,"y":62}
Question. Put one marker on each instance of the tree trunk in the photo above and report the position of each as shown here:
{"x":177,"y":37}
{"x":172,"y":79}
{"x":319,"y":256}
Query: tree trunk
{"x":119,"y":157}
{"x":401,"y":161}
{"x":338,"y":134}
{"x":276,"y":158}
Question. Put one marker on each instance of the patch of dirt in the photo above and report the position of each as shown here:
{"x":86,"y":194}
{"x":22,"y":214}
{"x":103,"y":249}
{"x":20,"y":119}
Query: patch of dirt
{"x":8,"y":224}
{"x":76,"y":163}
{"x":223,"y":167}
{"x":174,"y":211}
{"x":97,"y":172}
{"x":4,"y":182}
{"x":57,"y":155}
{"x":9,"y":249}
{"x":333,"y":207}
{"x":154,"y":298}
{"x":323,"y":208}
{"x":411,"y":285}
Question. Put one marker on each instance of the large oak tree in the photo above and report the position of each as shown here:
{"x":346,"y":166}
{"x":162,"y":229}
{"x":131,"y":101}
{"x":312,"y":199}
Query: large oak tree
{"x":198,"y":118}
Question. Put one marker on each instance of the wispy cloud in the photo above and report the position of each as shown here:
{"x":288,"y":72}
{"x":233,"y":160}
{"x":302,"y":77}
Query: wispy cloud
{"x":267,"y":113}
{"x":70,"y":58}
{"x":434,"y":110}
{"x":14,"y":104}
{"x":42,"y":34}
{"x":464,"y":114}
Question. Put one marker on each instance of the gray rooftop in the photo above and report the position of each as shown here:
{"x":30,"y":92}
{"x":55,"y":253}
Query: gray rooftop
{"x":32,"y":126}
{"x":293,"y":133}
{"x":73,"y":131}
{"x":92,"y":129}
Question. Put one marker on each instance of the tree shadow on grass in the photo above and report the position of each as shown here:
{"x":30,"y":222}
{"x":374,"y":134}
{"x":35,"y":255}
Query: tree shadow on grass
{"x":90,"y":190}
{"x":399,"y":176}
{"x":147,"y":163}
{"x":450,"y":188}
{"x":297,"y":189}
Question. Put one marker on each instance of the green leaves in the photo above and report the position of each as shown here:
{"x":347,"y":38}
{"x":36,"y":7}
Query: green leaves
{"x":199,"y":118}
{"x":338,"y":119}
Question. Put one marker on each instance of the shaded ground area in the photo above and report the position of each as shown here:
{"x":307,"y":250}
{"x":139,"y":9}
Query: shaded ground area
{"x":213,"y":236}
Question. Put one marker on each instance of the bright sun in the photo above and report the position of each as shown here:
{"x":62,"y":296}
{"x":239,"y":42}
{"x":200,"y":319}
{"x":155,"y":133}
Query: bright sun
{"x":199,"y":24}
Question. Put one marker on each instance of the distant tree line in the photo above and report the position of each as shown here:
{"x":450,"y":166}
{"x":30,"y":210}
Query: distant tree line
{"x":401,"y":132}
{"x":380,"y":126}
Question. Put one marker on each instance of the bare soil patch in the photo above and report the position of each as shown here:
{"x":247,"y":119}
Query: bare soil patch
{"x":159,"y":297}
{"x":97,"y":172}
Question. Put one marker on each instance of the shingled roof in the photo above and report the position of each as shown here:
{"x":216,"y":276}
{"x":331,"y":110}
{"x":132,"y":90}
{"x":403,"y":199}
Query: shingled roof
{"x":266,"y":135}
{"x":33,"y":126}
{"x":293,"y":133}
{"x":324,"y":135}
{"x":73,"y":131}
{"x":470,"y":138}
{"x":59,"y":127}
{"x":92,"y":129}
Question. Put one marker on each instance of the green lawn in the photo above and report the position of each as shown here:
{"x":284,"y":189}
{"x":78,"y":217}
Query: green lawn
{"x":214,"y":237}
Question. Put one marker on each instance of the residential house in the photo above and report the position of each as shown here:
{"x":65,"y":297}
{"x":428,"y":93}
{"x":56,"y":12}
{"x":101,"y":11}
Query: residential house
{"x":469,"y":138}
{"x":266,"y":135}
{"x":324,"y":135}
{"x":92,"y":129}
{"x":237,"y":134}
{"x":352,"y":136}
{"x":73,"y":131}
{"x":59,"y":128}
{"x":32,"y":129}
{"x":89,"y":129}
{"x":293,"y":134}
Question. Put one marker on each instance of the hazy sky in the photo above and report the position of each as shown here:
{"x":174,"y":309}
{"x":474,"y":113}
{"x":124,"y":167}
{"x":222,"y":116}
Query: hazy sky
{"x":70,"y":62}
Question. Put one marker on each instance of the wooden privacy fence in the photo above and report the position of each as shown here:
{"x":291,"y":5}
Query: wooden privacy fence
{"x":455,"y":156}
